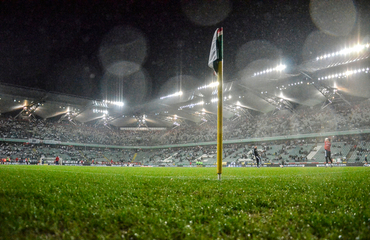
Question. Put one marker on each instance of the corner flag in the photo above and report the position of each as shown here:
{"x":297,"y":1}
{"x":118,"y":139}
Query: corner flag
{"x":215,"y":62}
{"x":216,"y":54}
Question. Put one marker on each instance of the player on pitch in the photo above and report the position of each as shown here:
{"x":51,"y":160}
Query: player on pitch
{"x":257,"y":156}
{"x":327,"y":147}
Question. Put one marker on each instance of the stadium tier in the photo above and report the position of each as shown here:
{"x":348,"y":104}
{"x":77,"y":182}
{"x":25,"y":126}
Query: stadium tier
{"x":278,"y":139}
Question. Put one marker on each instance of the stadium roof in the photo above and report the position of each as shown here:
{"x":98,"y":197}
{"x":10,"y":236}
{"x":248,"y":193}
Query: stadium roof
{"x":263,"y":86}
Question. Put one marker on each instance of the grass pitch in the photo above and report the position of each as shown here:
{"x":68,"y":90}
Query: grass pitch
{"x":65,"y":202}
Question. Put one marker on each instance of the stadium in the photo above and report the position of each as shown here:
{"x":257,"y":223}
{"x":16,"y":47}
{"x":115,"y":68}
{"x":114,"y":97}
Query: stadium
{"x":288,"y":120}
{"x":133,"y":164}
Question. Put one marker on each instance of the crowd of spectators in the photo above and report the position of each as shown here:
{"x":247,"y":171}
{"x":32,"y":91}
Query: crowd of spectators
{"x":282,"y":151}
{"x":338,"y":117}
{"x":304,"y":120}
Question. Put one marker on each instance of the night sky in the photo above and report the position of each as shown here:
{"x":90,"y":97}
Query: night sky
{"x":81,"y":47}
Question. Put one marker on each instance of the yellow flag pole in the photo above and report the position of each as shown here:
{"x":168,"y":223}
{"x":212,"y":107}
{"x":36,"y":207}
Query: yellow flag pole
{"x":219,"y":121}
{"x":219,"y":109}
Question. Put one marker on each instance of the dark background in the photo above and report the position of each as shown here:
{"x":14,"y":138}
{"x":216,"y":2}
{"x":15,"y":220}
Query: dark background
{"x":41,"y":40}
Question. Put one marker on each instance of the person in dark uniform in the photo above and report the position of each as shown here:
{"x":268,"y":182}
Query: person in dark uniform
{"x":327,"y":147}
{"x":366,"y":159}
{"x":257,"y":156}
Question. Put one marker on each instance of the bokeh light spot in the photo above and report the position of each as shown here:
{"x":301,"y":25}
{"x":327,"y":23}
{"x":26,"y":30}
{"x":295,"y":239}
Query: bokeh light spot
{"x":123,"y":44}
{"x":206,"y":12}
{"x":255,"y":50}
{"x":333,"y":17}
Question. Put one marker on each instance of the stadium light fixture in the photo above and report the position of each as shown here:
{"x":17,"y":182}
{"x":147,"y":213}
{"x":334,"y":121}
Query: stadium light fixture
{"x":278,"y":68}
{"x":172,"y":95}
{"x":191,"y":105}
{"x":143,"y":129}
{"x":100,"y":111}
{"x":105,"y":103}
{"x":211,"y":85}
{"x":120,"y":104}
{"x":100,"y":103}
{"x":344,"y":74}
{"x":346,"y":51}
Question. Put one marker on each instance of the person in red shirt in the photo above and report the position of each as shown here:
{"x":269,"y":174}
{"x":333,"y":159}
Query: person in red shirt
{"x":57,"y":160}
{"x":327,"y":151}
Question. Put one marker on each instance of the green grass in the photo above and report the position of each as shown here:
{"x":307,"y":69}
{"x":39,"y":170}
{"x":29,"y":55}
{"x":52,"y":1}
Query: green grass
{"x":65,"y":202}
